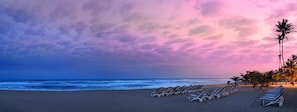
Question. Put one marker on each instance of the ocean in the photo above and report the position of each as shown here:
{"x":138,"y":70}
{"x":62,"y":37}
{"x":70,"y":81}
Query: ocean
{"x":80,"y":85}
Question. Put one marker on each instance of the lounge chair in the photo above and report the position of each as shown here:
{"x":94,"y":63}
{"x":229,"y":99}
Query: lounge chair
{"x":181,"y":90}
{"x":269,"y":99}
{"x":219,"y":92}
{"x":158,"y":92}
{"x":273,"y":96}
{"x":280,"y":89}
{"x":197,"y":97}
{"x":229,"y":90}
{"x":209,"y":95}
{"x":174,"y":91}
{"x":187,"y":89}
{"x":168,"y":91}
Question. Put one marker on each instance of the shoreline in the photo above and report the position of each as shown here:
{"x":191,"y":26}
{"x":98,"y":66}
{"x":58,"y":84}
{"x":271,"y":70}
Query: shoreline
{"x":152,"y":89}
{"x":246,"y":99}
{"x":83,"y":85}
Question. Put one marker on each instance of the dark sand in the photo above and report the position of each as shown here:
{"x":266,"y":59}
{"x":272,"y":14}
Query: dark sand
{"x":245,"y":100}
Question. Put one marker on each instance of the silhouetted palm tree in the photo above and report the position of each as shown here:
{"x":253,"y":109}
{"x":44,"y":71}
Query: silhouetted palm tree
{"x":284,"y":28}
{"x":268,"y":77}
{"x":255,"y":77}
{"x":244,"y":78}
{"x":235,"y":79}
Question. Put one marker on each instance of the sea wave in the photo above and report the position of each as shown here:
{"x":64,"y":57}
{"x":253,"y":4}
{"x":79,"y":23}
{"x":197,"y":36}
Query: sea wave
{"x":78,"y":85}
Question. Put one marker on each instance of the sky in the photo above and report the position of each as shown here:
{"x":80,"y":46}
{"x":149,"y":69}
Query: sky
{"x":111,"y":39}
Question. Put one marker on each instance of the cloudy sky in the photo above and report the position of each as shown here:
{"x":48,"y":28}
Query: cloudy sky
{"x":58,"y":39}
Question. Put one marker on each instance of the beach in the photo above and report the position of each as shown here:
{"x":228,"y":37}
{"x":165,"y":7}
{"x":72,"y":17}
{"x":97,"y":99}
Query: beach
{"x":245,"y":100}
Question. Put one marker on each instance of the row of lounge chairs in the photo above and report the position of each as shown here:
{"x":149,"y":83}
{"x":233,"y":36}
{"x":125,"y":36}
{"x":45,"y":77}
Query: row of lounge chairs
{"x":212,"y":93}
{"x":175,"y":90}
{"x":273,"y":96}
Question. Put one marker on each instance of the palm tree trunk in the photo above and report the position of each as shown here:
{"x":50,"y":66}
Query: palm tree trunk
{"x":280,"y":56}
{"x":283,"y":53}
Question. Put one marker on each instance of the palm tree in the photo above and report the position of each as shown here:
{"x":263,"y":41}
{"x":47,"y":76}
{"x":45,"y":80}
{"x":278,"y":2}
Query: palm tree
{"x":235,"y":79}
{"x":261,"y":79}
{"x":284,"y":28}
{"x":255,"y":77}
{"x":246,"y":77}
{"x":269,"y":77}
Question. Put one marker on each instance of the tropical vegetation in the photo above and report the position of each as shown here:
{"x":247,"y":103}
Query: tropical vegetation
{"x":287,"y":71}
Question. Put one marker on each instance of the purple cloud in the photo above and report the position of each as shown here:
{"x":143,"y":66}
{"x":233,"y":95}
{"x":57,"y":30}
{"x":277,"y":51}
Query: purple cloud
{"x":215,"y":37}
{"x":243,"y":26}
{"x":148,"y":27}
{"x":208,"y":7}
{"x":199,"y":30}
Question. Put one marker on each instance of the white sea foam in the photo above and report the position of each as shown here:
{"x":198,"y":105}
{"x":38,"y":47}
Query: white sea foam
{"x":77,"y":85}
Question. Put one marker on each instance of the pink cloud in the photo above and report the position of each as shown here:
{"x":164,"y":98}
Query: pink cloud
{"x":190,"y":37}
{"x":243,"y":26}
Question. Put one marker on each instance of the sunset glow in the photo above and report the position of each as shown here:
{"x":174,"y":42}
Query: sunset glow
{"x":62,"y":39}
